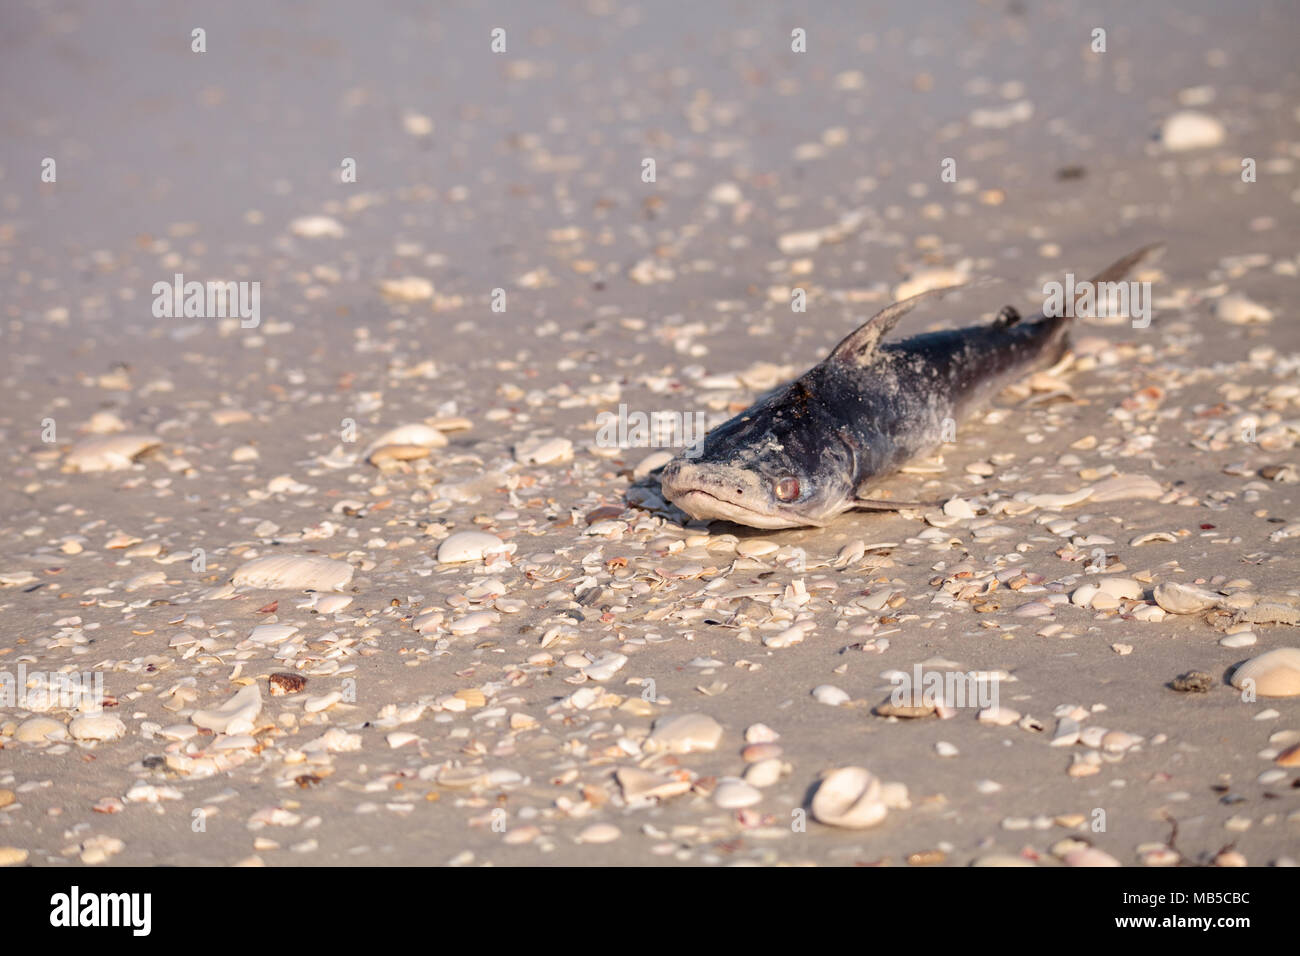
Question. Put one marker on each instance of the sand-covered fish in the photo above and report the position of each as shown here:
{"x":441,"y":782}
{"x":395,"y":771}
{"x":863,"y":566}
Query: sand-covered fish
{"x":812,"y":449}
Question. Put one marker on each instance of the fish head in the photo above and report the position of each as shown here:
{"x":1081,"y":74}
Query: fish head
{"x":783,"y":463}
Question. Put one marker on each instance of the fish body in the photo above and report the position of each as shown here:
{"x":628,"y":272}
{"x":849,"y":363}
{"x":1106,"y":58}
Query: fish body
{"x":810,"y":449}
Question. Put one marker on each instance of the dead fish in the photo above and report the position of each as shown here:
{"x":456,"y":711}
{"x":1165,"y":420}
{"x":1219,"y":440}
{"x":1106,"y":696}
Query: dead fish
{"x":810,"y":450}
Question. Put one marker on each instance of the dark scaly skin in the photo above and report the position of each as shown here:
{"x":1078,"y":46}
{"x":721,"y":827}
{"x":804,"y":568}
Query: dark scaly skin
{"x":856,"y":417}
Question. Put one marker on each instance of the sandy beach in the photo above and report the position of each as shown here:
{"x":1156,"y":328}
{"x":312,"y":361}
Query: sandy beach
{"x":340,"y":568}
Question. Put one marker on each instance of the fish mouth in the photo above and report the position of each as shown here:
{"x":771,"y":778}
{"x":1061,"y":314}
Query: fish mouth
{"x":704,"y":506}
{"x":696,"y":492}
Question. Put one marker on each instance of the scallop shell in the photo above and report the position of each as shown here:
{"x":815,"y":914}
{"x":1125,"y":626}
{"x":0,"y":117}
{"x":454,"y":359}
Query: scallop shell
{"x":849,"y":797}
{"x":1276,"y":673}
{"x":108,"y":452}
{"x":294,"y":572}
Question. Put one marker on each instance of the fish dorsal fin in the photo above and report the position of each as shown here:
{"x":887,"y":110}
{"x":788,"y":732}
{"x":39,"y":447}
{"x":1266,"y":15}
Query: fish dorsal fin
{"x":859,"y":345}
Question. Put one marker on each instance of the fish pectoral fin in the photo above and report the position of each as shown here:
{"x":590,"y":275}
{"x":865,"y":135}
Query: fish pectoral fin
{"x":892,"y":504}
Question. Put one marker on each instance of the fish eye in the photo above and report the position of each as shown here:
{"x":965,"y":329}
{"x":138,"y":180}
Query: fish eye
{"x":786,"y":488}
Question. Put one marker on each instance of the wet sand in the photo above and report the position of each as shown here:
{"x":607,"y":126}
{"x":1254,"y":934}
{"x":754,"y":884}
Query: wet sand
{"x":522,"y":171}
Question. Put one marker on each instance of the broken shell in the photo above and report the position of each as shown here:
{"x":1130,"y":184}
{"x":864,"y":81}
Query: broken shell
{"x":849,"y":797}
{"x":1184,"y":598}
{"x":294,"y":572}
{"x":109,"y":452}
{"x":282,"y":684}
{"x":235,"y":716}
{"x":684,"y":734}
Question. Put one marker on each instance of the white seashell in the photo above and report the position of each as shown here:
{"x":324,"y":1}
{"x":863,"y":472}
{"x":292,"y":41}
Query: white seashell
{"x":1117,"y":741}
{"x":1245,"y":639}
{"x":97,"y":727}
{"x":400,"y":738}
{"x":641,"y":784}
{"x":1185,"y":598}
{"x":790,"y":636}
{"x":544,"y":451}
{"x":1239,"y":310}
{"x":272,"y":633}
{"x":849,"y":797}
{"x":331,"y":603}
{"x":606,"y":666}
{"x":315,"y":227}
{"x":760,"y":734}
{"x":407,"y":289}
{"x":235,"y":716}
{"x":1082,"y":596}
{"x":1275,"y":673}
{"x":294,"y":572}
{"x":1067,"y":733}
{"x":830,"y":695}
{"x":1189,"y":129}
{"x":429,"y":620}
{"x":313,"y":705}
{"x":1153,"y":536}
{"x":1120,"y":588}
{"x":1089,"y":856}
{"x":600,"y":833}
{"x":734,"y":794}
{"x":418,"y":433}
{"x":474,"y":622}
{"x":108,"y":452}
{"x":1126,"y":487}
{"x":469,"y":546}
{"x":958,"y":508}
{"x":335,"y":741}
{"x":764,"y":773}
{"x":998,"y":716}
{"x":39,"y":730}
{"x":725,"y":194}
{"x":656,"y":459}
{"x":104,"y":423}
{"x":684,"y":734}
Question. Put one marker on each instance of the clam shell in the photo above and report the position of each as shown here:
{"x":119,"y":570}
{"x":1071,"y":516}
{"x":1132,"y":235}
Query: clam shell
{"x":1276,"y":673}
{"x":849,"y":797}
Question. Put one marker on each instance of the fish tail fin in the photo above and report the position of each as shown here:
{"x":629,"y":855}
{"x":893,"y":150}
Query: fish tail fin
{"x":1114,"y":272}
